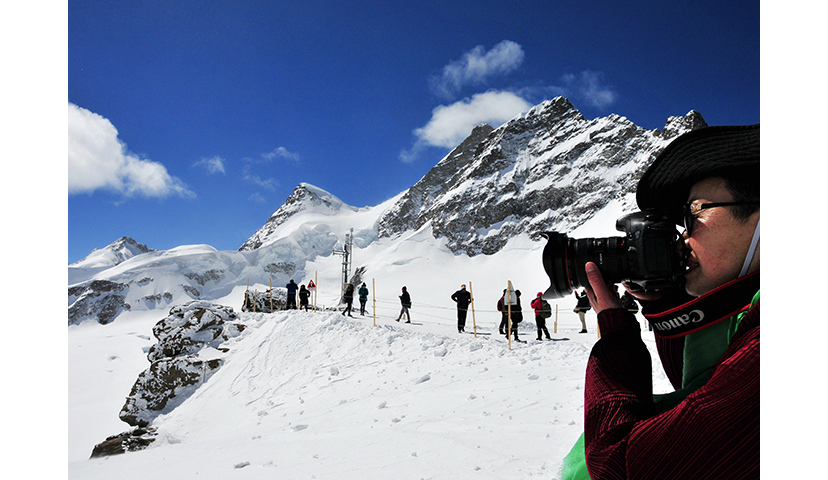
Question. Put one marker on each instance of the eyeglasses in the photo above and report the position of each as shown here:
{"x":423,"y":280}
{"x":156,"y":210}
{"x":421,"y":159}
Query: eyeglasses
{"x":691,"y":209}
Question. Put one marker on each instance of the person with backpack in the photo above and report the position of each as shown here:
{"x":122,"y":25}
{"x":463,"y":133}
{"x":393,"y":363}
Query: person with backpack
{"x":462,"y":298}
{"x":304,"y":295}
{"x":363,"y":298}
{"x":542,"y":311}
{"x":504,"y":313}
{"x":507,"y":303}
{"x":405,"y":301}
{"x":581,"y":308}
{"x":349,"y":299}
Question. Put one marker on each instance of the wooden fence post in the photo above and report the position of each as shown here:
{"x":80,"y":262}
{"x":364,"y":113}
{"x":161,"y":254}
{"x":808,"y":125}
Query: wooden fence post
{"x":509,"y":313}
{"x":474,"y":321}
{"x":556,"y":318}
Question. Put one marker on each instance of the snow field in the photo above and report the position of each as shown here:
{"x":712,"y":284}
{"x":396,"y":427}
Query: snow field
{"x":319,"y":395}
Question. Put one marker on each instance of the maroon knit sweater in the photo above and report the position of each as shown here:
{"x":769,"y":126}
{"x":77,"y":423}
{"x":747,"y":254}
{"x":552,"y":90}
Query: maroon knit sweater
{"x":713,"y":433}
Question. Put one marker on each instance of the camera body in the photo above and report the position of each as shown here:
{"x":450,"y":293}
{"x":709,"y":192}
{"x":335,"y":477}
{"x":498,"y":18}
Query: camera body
{"x":649,"y":257}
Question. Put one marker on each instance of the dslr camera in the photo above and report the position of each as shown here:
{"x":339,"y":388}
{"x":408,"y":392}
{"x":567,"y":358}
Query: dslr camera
{"x":650,"y":257}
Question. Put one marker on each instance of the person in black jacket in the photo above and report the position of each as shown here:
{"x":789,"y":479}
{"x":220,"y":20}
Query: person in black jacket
{"x":504,"y":313}
{"x":304,"y":295}
{"x":349,"y":299}
{"x":462,"y":298}
{"x":582,"y":307}
{"x":291,"y":295}
{"x":517,"y":313}
{"x":363,"y":298}
{"x":405,"y":300}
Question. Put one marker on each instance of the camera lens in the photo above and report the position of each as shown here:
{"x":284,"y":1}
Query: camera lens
{"x":564,"y":259}
{"x":555,"y":256}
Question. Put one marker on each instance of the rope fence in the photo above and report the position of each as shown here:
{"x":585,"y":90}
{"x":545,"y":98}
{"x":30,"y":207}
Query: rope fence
{"x":562,"y":320}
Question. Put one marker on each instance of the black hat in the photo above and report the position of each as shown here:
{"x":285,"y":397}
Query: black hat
{"x":694,"y":156}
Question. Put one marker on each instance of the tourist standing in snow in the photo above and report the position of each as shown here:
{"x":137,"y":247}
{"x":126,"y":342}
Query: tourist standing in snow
{"x":291,"y":295}
{"x":542,"y":312}
{"x":405,"y":300}
{"x":304,"y":295}
{"x":348,"y":297}
{"x":504,"y":313}
{"x":581,"y":308}
{"x":510,"y":301}
{"x":708,"y":179}
{"x":363,"y":298}
{"x":462,"y":298}
{"x":517,"y":314}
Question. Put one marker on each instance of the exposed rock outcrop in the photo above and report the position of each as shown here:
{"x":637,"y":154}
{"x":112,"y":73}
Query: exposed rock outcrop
{"x":102,"y":300}
{"x":187,"y":354}
{"x":130,"y":441}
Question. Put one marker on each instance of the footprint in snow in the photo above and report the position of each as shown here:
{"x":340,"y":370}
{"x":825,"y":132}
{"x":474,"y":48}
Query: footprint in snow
{"x":422,"y":379}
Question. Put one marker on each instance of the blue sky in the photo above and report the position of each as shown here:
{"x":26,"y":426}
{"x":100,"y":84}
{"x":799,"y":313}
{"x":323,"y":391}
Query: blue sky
{"x":191,"y":122}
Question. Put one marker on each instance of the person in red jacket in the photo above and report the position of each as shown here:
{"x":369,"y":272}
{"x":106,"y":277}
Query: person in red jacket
{"x":707,"y":333}
{"x":540,"y":319}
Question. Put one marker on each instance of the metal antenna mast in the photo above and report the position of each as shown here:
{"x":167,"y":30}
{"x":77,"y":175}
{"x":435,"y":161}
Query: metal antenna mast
{"x":346,"y":259}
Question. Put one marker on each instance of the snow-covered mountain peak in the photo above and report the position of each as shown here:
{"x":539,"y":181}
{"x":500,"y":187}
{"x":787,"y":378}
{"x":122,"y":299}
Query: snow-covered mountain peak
{"x":308,"y":195}
{"x":304,"y":198}
{"x":113,"y":254}
{"x":677,"y":125}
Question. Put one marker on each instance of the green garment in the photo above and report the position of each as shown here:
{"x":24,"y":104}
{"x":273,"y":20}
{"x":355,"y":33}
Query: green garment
{"x":702,"y":351}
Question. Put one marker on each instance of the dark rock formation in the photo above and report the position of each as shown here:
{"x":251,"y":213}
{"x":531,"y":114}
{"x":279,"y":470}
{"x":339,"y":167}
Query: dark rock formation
{"x":179,"y":364}
{"x":102,"y":300}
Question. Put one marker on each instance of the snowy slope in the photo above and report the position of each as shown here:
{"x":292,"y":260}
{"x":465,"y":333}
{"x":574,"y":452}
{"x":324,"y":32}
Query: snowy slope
{"x":319,"y":395}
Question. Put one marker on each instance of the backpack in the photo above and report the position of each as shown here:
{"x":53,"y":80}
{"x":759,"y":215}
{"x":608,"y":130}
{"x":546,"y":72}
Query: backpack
{"x":546,"y":309}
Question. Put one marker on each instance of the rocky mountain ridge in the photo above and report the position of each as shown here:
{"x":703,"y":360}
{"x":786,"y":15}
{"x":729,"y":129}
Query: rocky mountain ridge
{"x":549,"y":168}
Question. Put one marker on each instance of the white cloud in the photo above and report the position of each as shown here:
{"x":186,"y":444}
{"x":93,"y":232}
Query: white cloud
{"x":212,"y":165}
{"x":256,"y":197}
{"x":587,"y":86}
{"x":451,"y":124}
{"x":281,"y":152}
{"x":99,"y":160}
{"x":253,"y":166}
{"x":249,"y":175}
{"x":476,"y":66}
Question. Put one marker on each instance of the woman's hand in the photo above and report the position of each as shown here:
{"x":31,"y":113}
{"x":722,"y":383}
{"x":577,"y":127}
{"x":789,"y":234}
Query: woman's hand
{"x":601,"y":295}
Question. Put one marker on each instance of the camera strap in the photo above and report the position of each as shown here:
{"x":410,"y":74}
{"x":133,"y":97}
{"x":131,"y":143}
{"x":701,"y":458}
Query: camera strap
{"x":709,"y":309}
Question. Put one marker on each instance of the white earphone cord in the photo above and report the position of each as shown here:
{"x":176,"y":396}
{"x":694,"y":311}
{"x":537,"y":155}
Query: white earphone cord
{"x":751,"y":251}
